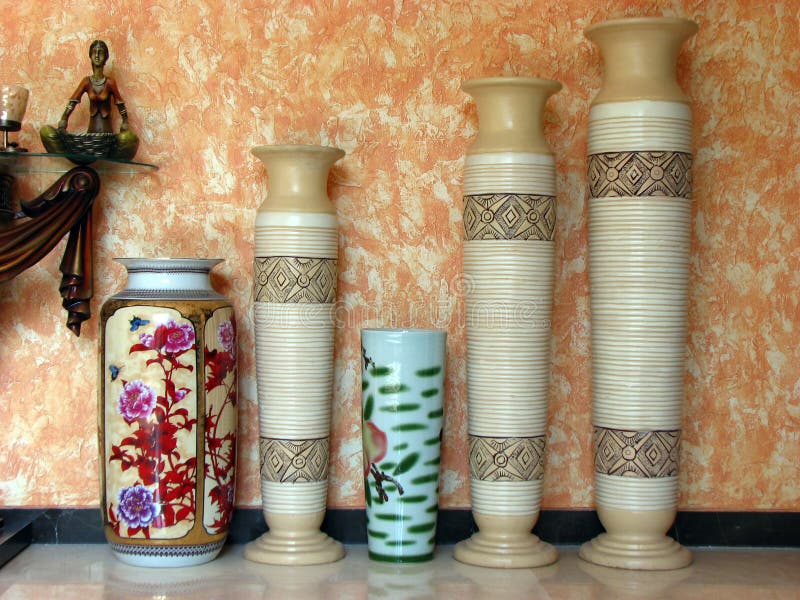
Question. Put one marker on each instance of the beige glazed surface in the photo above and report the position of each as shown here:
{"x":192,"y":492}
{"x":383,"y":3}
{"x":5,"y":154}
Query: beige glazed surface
{"x":296,"y":250}
{"x":639,"y":58}
{"x":639,"y":248}
{"x":508,"y":262}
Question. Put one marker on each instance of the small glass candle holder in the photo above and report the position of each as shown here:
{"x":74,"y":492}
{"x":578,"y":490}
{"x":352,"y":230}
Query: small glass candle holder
{"x":13,"y":102}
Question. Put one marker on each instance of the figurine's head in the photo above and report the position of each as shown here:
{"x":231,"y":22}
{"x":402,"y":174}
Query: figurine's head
{"x":98,"y":53}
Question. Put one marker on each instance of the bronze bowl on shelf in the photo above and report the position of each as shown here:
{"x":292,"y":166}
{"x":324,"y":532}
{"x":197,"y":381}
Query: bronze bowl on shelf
{"x":119,"y":146}
{"x":100,"y":145}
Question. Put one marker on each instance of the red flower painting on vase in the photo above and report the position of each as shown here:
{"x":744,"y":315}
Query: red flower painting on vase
{"x":158,"y":408}
{"x":221,"y":419}
{"x":170,"y":419}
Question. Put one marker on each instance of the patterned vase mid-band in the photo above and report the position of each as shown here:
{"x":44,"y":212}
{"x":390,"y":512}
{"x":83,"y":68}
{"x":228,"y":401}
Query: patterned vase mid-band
{"x":402,"y":382}
{"x":168,"y":414}
{"x":639,"y":148}
{"x":509,"y":221}
{"x":296,"y":247}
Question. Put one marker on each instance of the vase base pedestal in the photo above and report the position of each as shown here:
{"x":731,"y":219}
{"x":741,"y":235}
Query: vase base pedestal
{"x":623,"y":552}
{"x":505,"y":551}
{"x":307,"y":549}
{"x":166,"y":556}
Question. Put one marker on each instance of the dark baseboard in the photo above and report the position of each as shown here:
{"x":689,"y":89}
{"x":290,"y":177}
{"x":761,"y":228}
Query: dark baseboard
{"x":760,"y":529}
{"x":561,"y":527}
{"x":16,"y":532}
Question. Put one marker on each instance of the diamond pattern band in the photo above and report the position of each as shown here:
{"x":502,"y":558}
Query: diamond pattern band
{"x":645,"y":454}
{"x":640,"y":174}
{"x":292,"y":279}
{"x":291,"y":461}
{"x":506,"y":459}
{"x":509,"y":217}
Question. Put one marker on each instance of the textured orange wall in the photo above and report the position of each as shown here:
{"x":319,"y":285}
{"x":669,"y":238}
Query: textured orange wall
{"x":205,"y":80}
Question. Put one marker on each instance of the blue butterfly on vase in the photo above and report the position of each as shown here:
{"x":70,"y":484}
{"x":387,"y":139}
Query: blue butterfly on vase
{"x":114,"y":369}
{"x":136,"y":322}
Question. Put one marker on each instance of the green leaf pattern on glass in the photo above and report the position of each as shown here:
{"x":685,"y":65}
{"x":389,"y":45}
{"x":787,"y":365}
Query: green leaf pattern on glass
{"x":405,"y":465}
{"x":400,"y":407}
{"x":396,"y":388}
{"x":369,"y":406}
{"x":431,"y":372}
{"x":409,"y":427}
{"x":406,"y":406}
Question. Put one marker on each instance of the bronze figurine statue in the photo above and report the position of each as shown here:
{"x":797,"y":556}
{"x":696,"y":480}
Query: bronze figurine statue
{"x":100,"y":140}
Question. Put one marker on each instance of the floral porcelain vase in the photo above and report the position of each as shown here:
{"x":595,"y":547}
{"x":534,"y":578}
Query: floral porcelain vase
{"x":296,"y":249}
{"x":640,"y":212}
{"x":168,"y":414}
{"x":509,"y":253}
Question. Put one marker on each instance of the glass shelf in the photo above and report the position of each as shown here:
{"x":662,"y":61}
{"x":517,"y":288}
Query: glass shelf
{"x":47,"y":162}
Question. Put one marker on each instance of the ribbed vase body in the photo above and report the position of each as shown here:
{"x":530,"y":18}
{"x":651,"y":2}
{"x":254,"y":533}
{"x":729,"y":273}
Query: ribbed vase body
{"x":296,"y":249}
{"x":640,"y":187}
{"x":509,"y":249}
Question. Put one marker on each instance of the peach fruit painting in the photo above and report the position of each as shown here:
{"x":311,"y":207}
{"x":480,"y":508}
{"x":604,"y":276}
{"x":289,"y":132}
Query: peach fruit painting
{"x":206,"y":80}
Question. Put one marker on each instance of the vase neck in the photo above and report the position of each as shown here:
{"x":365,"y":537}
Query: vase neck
{"x":510,"y":113}
{"x":640,"y":58}
{"x":169,"y":273}
{"x":298,"y":177}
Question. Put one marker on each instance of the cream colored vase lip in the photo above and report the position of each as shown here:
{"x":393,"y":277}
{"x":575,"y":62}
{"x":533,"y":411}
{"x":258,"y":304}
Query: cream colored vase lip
{"x":690,"y":26}
{"x":298,"y":177}
{"x":640,"y":56}
{"x":510,"y":114}
{"x":482,"y":82}
{"x":273,"y":149}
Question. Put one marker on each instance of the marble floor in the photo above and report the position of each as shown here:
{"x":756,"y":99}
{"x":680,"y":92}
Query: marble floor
{"x":87,"y":572}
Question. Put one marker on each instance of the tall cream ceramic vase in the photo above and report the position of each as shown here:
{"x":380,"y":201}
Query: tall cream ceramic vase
{"x":639,"y":148}
{"x":509,"y":221}
{"x":296,"y":247}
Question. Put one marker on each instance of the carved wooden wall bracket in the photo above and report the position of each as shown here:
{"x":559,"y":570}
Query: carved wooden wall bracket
{"x":64,"y":208}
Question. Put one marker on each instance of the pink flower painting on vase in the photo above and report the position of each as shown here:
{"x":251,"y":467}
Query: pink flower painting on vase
{"x":136,"y":401}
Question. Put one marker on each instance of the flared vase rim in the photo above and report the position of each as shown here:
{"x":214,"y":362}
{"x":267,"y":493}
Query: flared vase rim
{"x":169,"y":263}
{"x":513,"y":81}
{"x":690,"y":25}
{"x":276,"y":149}
{"x":410,"y":331}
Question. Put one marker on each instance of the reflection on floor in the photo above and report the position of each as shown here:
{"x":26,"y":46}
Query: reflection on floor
{"x":87,"y":572}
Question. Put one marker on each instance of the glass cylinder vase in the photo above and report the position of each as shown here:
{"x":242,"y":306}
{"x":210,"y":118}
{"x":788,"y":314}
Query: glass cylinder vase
{"x":639,"y":147}
{"x":402,"y":389}
{"x":168,"y":414}
{"x":509,"y":222}
{"x":296,"y":249}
